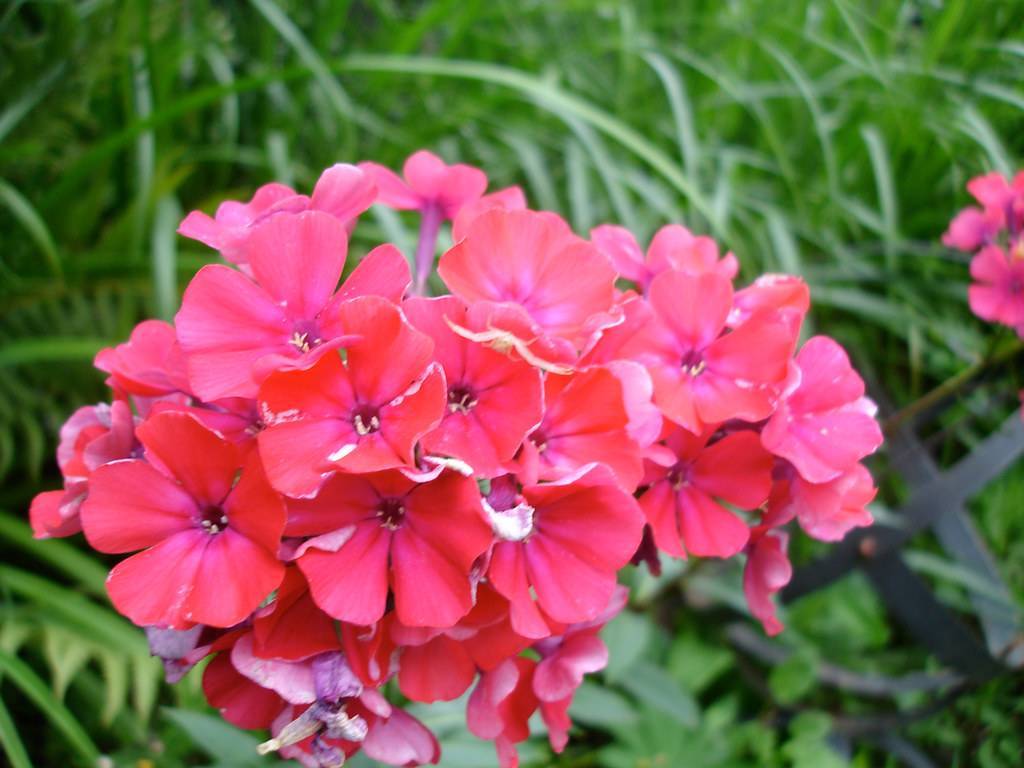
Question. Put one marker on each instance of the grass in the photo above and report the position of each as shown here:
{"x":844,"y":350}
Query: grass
{"x":824,"y":137}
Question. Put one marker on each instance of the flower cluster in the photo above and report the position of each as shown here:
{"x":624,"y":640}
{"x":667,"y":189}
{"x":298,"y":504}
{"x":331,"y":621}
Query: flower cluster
{"x":995,"y":234}
{"x":340,"y":488}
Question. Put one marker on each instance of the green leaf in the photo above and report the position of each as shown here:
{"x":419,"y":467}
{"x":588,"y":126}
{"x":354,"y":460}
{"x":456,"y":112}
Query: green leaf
{"x":22,"y":676}
{"x":627,"y":637}
{"x":695,"y":663}
{"x":651,"y":686}
{"x":794,"y":678}
{"x":600,"y":707}
{"x":217,"y":738}
{"x":58,"y":553}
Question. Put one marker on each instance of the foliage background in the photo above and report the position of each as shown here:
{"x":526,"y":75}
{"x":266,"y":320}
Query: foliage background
{"x":830,"y":138}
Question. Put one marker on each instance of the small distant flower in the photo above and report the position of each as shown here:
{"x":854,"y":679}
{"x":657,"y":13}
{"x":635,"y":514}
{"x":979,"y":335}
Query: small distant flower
{"x":998,"y":293}
{"x":1002,"y":211}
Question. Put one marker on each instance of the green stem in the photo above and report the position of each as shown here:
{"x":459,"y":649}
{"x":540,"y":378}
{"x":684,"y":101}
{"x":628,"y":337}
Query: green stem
{"x":951,"y":386}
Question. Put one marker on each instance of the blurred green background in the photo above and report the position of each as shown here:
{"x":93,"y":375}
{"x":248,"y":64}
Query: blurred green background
{"x":830,"y":138}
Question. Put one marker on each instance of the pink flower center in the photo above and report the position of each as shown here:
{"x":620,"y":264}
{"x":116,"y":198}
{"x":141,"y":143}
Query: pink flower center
{"x":461,"y":399}
{"x":391,"y":513}
{"x":366,"y":420}
{"x":213,"y":520}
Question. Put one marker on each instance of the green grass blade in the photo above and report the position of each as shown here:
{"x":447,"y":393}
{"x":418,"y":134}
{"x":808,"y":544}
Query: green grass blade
{"x":57,"y":553}
{"x":11,"y":741}
{"x":558,"y":101}
{"x":22,"y":676}
{"x":164,"y":250}
{"x":43,"y":349}
{"x":33,"y":223}
{"x":24,"y":104}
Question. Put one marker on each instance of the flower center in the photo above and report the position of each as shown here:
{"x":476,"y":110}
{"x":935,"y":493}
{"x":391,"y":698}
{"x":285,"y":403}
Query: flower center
{"x":305,"y":336}
{"x":213,"y":520}
{"x":391,"y":514}
{"x":693,"y":364}
{"x":460,"y":399}
{"x":365,"y":419}
{"x":678,"y":476}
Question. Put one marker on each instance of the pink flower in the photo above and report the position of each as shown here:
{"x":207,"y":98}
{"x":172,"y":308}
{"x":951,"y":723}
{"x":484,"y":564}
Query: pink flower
{"x":998,"y":294}
{"x":532,"y":262}
{"x":273,"y":626}
{"x":767,"y":571}
{"x":509,"y":199}
{"x":428,"y":182}
{"x":826,"y":425}
{"x":493,"y":401}
{"x":829,"y":510}
{"x":149,"y":364}
{"x":680,"y":502}
{"x":209,"y":535}
{"x":673,"y":247}
{"x":235,"y":330}
{"x":342,"y":191}
{"x":562,"y":542}
{"x":94,"y":435}
{"x":375,"y":531}
{"x":500,"y":707}
{"x":362,"y":414}
{"x":1002,"y":209}
{"x":702,"y":376}
{"x":239,"y":700}
{"x":585,"y":421}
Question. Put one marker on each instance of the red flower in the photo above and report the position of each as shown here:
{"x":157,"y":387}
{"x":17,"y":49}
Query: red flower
{"x":563,"y":542}
{"x":236,"y":330}
{"x":681,"y":505}
{"x":372,"y":531}
{"x":493,"y":401}
{"x":209,"y":534}
{"x":362,"y":414}
{"x":826,"y":425}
